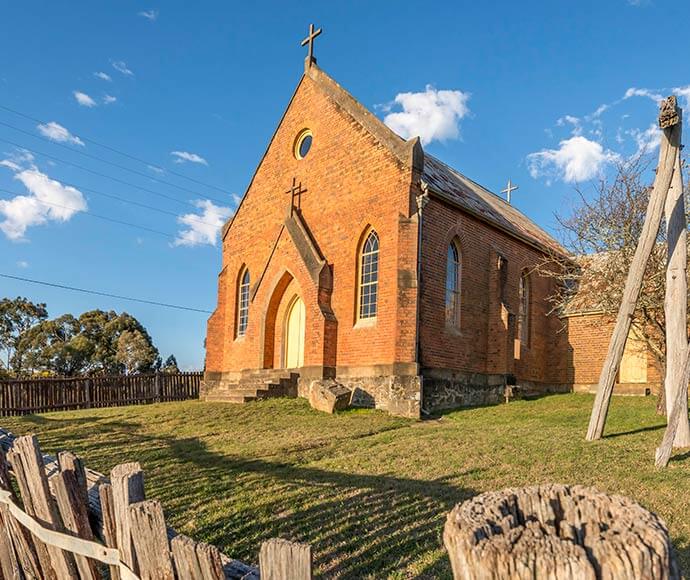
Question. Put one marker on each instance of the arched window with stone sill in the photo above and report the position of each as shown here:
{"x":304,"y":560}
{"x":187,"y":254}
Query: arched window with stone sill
{"x":524,"y":308}
{"x":242,"y":302}
{"x":368,"y":287}
{"x":453,"y":284}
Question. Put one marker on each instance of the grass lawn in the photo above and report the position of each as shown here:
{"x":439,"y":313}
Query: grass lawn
{"x":370,"y":492}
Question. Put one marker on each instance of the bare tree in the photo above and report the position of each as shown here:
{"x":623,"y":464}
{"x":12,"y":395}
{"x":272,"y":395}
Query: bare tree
{"x":602,"y":232}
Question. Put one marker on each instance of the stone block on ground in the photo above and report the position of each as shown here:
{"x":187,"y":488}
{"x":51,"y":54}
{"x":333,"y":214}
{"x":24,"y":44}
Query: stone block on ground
{"x":329,"y":396}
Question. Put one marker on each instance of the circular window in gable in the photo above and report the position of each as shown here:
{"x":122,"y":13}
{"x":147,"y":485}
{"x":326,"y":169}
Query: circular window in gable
{"x":303,"y":144}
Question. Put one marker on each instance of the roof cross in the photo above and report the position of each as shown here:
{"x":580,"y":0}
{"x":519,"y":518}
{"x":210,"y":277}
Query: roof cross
{"x":296,"y":192}
{"x":310,"y":41}
{"x":508,"y":190}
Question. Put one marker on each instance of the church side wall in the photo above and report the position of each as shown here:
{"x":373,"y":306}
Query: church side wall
{"x":468,"y":365}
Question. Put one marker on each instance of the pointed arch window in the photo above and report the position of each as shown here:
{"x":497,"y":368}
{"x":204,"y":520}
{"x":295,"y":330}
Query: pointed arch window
{"x":369,"y":277}
{"x":524,"y":291}
{"x":453,"y":279}
{"x":243,"y":303}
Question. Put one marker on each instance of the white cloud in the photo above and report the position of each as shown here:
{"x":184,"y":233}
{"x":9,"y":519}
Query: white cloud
{"x":683,"y":92}
{"x":156,"y":169}
{"x":109,"y":99}
{"x":574,"y":121}
{"x":202,"y":228}
{"x":47,"y":200}
{"x":121,"y":67}
{"x":103,"y":76}
{"x":236,"y":199}
{"x":433,"y":115}
{"x":182,"y":156}
{"x":149,"y":14}
{"x":23,"y":264}
{"x":647,"y":140}
{"x":57,"y":132}
{"x":84,"y":100}
{"x":576,"y":159}
{"x":634,"y":92}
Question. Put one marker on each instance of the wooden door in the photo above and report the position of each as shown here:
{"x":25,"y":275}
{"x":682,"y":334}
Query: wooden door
{"x":294,"y":334}
{"x":634,"y":362}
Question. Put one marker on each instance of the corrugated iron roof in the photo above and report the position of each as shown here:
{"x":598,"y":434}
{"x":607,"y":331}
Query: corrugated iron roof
{"x":479,"y":201}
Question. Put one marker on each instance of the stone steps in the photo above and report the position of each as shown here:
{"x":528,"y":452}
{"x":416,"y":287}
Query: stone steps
{"x":255,"y":385}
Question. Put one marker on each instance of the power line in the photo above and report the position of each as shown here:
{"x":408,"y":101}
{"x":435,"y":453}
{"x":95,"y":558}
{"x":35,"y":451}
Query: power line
{"x":132,"y":202}
{"x":99,"y":293}
{"x":102,"y":217}
{"x":112,"y":149}
{"x":99,"y":174}
{"x":116,"y":165}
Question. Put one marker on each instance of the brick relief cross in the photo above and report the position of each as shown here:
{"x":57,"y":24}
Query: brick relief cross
{"x":296,"y":192}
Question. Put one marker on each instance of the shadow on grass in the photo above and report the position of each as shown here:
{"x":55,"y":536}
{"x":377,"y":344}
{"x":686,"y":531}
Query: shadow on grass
{"x":358,"y":524}
{"x":634,"y":431}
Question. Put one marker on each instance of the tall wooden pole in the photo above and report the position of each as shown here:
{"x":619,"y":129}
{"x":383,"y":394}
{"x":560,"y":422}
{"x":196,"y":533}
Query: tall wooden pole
{"x":678,"y":414}
{"x":676,"y":303}
{"x":669,"y":121}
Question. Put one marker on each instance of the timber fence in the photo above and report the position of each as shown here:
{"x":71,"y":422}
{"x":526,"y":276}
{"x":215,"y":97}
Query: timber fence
{"x":68,"y":522}
{"x":25,"y":396}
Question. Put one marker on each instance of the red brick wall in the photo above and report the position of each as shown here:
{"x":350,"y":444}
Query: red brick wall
{"x":473,"y":348}
{"x":352,"y":182}
{"x":588,"y":341}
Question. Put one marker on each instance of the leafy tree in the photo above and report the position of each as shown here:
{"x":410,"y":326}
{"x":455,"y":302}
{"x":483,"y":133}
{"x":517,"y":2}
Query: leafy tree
{"x":55,"y":346}
{"x":170,"y":365}
{"x":135,"y":352}
{"x":88,"y":344}
{"x":16,"y":317}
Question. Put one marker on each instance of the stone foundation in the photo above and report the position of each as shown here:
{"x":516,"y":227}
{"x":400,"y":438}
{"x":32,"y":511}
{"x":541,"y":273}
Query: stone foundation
{"x":631,"y":389}
{"x":445,"y":389}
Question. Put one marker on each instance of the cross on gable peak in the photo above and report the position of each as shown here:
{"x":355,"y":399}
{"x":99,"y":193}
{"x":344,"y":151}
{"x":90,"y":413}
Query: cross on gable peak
{"x":509,"y":189}
{"x":311,"y":59}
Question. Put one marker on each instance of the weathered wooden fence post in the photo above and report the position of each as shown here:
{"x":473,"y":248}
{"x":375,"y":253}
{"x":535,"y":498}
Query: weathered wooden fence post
{"x":127,"y":482}
{"x":150,"y":540}
{"x":87,"y":393}
{"x":73,"y":510}
{"x":158,"y":386}
{"x":284,"y":560}
{"x":557,"y":531}
{"x":676,"y":299}
{"x":108,"y":525}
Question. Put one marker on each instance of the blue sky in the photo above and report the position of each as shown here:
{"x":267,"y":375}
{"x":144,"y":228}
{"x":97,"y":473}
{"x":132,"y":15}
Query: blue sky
{"x":547,"y":93}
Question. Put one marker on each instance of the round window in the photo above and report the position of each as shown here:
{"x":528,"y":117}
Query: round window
{"x":303,"y":144}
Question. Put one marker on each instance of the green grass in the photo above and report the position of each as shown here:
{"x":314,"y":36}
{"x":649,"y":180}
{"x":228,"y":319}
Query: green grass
{"x":368,"y":491}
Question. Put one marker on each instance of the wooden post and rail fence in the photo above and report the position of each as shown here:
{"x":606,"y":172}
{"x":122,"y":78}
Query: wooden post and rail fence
{"x":62,"y":521}
{"x":25,"y":396}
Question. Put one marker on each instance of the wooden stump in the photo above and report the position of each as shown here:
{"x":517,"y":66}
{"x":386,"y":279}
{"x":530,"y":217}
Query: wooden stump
{"x":557,"y":531}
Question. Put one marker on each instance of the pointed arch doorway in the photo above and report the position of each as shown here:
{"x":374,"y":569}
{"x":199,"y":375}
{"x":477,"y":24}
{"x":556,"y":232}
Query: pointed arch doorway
{"x":294,"y":331}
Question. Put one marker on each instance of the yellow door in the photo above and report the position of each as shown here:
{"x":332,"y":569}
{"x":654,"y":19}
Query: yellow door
{"x":294,"y":334}
{"x":634,"y":363}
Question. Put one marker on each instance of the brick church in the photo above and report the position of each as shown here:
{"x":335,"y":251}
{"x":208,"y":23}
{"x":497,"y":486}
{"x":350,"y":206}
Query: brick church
{"x":357,"y":258}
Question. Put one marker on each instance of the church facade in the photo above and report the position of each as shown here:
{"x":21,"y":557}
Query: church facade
{"x":356,"y":257}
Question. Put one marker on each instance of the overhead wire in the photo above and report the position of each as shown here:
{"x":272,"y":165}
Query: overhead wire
{"x":90,"y":213}
{"x":101,"y":293}
{"x":97,"y":173}
{"x":119,"y":152}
